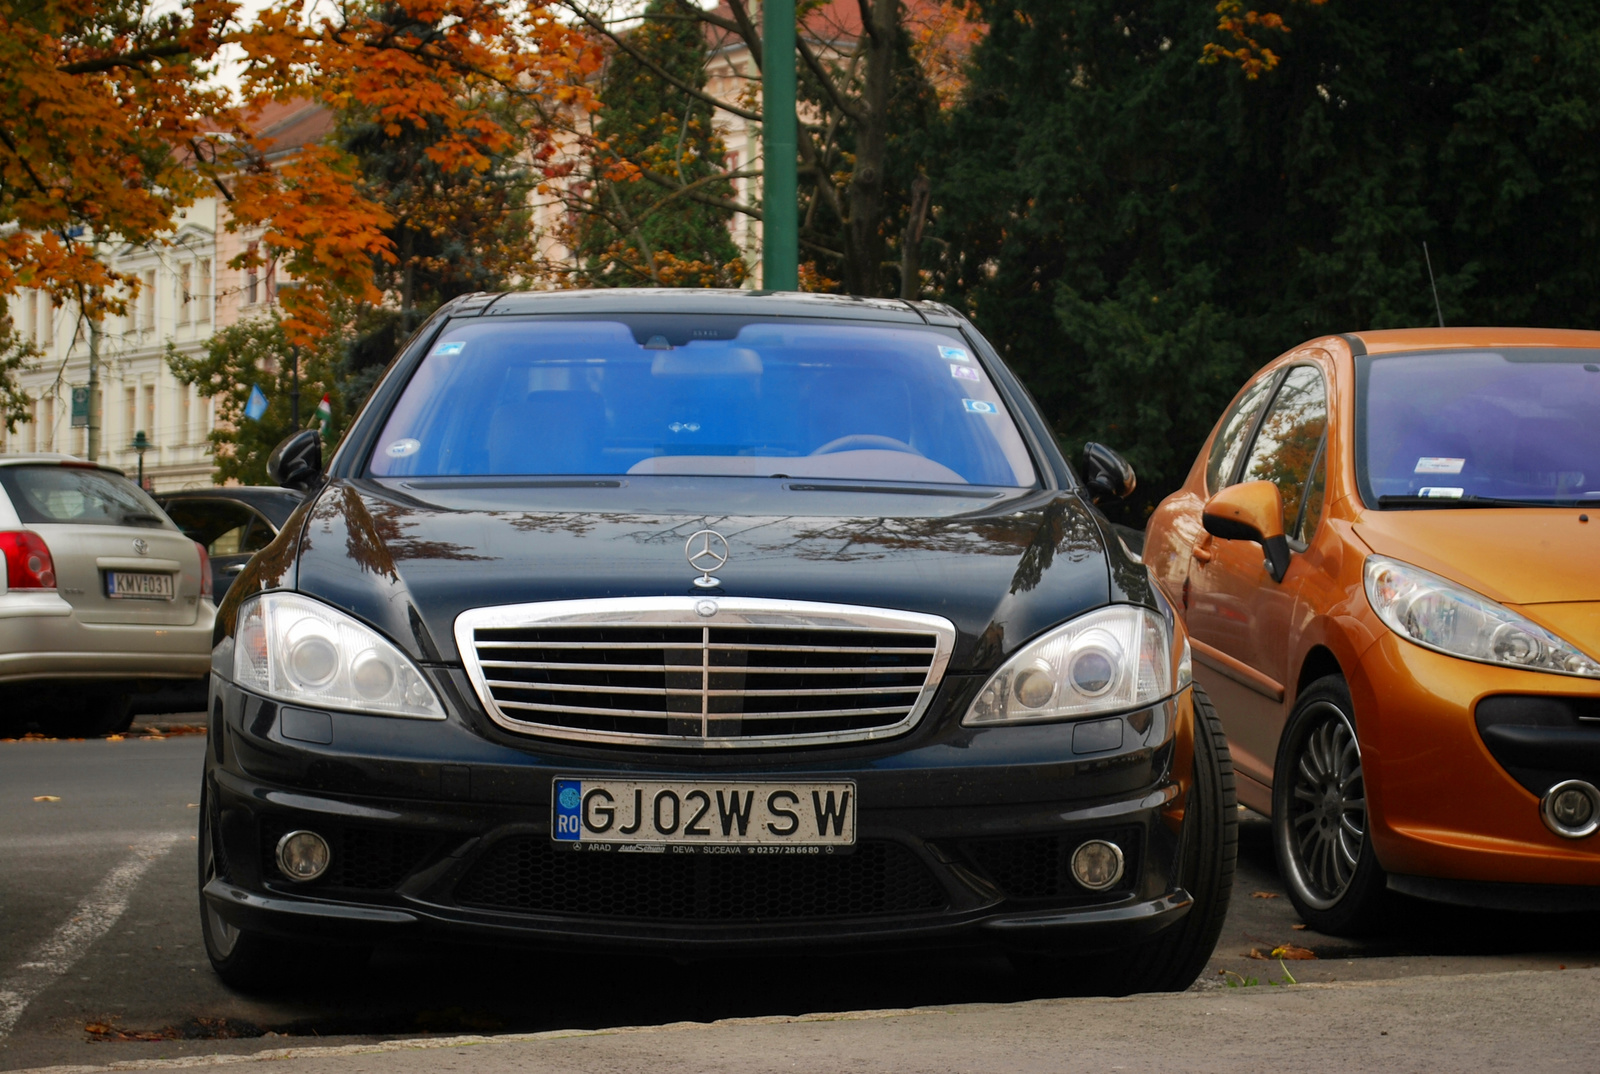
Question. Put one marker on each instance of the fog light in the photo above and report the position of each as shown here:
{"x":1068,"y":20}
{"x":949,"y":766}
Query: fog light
{"x":1571,"y":809}
{"x":303,"y":855}
{"x":1097,"y":864}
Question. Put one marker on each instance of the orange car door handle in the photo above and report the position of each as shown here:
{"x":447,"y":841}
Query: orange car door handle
{"x":1202,"y":551}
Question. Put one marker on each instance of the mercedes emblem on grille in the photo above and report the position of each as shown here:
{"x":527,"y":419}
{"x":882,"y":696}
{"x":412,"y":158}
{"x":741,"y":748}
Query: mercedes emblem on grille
{"x":141,"y":546}
{"x":707,"y":551}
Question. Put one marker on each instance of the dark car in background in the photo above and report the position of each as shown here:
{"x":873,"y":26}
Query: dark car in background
{"x":233,"y":522}
{"x":704,"y":623}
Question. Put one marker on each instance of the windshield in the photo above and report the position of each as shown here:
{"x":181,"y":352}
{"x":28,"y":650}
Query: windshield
{"x":1519,"y":424}
{"x":711,"y":396}
{"x":78,"y":495}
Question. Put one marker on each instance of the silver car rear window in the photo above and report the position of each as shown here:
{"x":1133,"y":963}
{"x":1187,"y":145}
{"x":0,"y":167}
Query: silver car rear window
{"x":78,"y":496}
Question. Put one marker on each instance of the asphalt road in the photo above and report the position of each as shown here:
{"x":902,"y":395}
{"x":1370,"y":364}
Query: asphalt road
{"x":100,"y":957}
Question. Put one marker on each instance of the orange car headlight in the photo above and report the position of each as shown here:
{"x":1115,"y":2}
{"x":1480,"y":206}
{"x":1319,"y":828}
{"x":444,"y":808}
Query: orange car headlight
{"x":1440,"y":615}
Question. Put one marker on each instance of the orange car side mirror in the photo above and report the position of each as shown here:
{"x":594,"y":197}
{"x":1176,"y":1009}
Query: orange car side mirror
{"x":1251,"y":511}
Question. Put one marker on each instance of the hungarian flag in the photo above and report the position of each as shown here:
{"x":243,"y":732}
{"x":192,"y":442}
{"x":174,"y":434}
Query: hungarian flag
{"x":324,"y":412}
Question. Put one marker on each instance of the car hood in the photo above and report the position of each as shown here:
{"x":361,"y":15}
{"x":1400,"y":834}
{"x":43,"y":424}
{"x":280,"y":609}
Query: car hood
{"x":410,"y":560}
{"x":1519,"y":555}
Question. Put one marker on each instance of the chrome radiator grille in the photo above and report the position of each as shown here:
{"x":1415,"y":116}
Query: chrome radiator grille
{"x":702,"y":671}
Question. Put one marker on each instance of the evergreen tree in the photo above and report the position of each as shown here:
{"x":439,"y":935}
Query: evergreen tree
{"x":1139,"y":231}
{"x":633,"y":235}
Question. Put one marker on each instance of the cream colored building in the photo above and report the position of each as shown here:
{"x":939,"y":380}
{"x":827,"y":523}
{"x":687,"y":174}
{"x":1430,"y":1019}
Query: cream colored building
{"x":186,"y":293}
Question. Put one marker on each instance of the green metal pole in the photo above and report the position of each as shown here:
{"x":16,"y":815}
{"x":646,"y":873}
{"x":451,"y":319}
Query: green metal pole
{"x":780,"y":208}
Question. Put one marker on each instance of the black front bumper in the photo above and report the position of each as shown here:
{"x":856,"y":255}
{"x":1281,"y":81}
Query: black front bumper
{"x":963,"y":837}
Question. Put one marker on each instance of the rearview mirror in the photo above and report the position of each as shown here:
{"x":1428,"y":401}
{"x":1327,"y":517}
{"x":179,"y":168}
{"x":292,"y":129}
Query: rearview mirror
{"x":1107,"y":473}
{"x":297,"y":462}
{"x":1251,"y":511}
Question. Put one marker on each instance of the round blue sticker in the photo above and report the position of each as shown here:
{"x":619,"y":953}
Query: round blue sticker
{"x":569,"y":798}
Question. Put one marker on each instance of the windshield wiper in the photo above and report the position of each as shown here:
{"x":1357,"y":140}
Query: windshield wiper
{"x":1471,"y":501}
{"x":141,"y":516}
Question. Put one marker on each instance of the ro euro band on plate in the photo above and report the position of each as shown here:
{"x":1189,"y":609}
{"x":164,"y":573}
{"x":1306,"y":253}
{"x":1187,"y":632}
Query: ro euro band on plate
{"x":707,"y":551}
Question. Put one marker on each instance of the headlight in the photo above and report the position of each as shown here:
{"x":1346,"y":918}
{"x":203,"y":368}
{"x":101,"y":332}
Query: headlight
{"x":1111,"y":660}
{"x":302,"y":651}
{"x":1447,"y":618}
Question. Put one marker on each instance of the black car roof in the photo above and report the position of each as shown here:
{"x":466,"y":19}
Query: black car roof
{"x":276,"y":503}
{"x":700,"y":300}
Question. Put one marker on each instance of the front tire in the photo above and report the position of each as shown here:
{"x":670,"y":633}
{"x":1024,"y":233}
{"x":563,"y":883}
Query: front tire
{"x":1320,"y":828}
{"x":1172,"y":959}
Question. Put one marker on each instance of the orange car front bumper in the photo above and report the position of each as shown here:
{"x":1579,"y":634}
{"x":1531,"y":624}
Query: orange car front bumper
{"x":1441,"y":804}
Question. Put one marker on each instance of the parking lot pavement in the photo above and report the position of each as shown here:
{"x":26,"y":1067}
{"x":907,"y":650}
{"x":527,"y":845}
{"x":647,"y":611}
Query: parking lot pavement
{"x":100,"y":959}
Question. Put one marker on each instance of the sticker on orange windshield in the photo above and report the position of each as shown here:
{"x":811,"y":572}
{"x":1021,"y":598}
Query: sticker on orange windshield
{"x":453,"y":347}
{"x":979,"y":406}
{"x":1434,"y":464}
{"x":954,"y":354}
{"x":1437,"y":492}
{"x":965,"y":372}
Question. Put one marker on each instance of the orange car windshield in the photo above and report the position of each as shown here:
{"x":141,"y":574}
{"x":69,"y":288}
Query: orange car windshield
{"x":1508,"y":426}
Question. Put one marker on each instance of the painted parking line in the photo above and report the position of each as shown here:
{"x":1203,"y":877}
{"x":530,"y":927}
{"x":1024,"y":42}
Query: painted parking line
{"x":90,"y":919}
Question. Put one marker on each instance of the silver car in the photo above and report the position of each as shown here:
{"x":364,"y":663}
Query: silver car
{"x":101,"y":597}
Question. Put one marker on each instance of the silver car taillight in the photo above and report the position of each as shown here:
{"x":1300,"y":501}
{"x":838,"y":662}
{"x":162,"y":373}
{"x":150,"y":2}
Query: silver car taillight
{"x":28,"y":562}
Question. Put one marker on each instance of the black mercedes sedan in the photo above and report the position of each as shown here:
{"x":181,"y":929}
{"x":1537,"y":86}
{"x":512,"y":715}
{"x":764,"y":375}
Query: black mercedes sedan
{"x":702,"y":623}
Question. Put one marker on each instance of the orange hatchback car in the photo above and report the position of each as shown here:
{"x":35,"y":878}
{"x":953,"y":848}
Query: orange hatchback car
{"x":1388,"y":558}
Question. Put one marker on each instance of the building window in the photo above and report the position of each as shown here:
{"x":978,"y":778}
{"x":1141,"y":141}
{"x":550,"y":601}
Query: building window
{"x":150,"y":411}
{"x":202,"y":313}
{"x":148,"y":301}
{"x":252,"y":282}
{"x":185,"y":282}
{"x":184,"y":393}
{"x":47,"y":419}
{"x":47,"y":322}
{"x":33,"y":316}
{"x":130,"y":412}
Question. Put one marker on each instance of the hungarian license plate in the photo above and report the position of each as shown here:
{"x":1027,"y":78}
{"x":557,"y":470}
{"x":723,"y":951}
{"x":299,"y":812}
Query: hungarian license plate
{"x":124,"y":585}
{"x":703,"y":816}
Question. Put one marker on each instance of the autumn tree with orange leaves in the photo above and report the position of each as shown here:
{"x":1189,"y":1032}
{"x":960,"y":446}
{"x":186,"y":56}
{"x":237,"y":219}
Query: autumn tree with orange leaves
{"x":109,"y":126}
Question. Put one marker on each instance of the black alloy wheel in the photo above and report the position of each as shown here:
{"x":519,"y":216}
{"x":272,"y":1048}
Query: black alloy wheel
{"x":1320,"y":818}
{"x":1171,"y":960}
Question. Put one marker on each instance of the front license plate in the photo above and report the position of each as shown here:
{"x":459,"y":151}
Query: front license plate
{"x":122,"y":585}
{"x":660,"y":816}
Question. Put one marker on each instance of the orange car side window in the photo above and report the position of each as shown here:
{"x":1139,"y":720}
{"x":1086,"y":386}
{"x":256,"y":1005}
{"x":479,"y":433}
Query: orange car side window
{"x":1286,"y":444}
{"x":1230,"y":441}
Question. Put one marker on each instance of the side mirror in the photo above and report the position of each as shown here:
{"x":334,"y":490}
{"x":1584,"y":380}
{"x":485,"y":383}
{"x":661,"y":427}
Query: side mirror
{"x":1251,"y":511}
{"x":297,"y":462}
{"x":1107,"y":473}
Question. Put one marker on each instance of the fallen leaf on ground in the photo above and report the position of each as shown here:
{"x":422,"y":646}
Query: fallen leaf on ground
{"x":1264,"y":895}
{"x":1299,"y":926}
{"x":1291,"y":952}
{"x":114,"y":738}
{"x":47,"y":798}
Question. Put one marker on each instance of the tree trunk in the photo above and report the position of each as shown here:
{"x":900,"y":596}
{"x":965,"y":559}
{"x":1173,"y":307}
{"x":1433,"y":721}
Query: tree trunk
{"x":864,"y":249}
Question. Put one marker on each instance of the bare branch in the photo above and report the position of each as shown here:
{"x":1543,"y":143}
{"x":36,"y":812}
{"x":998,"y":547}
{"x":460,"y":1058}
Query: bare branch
{"x":622,"y":42}
{"x":134,"y":60}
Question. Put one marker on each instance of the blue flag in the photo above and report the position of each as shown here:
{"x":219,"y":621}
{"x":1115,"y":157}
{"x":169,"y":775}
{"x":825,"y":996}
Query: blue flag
{"x":257,"y":405}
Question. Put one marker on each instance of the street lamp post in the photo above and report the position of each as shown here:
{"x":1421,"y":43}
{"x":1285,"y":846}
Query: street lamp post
{"x":141,"y":444}
{"x":780,"y":210}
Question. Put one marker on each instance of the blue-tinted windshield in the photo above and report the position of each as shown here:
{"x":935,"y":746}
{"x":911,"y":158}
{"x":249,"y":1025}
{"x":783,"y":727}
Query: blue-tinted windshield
{"x":1517,"y":424}
{"x":699,"y":395}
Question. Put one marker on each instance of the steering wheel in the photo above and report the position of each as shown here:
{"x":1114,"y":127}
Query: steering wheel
{"x":866,"y":442}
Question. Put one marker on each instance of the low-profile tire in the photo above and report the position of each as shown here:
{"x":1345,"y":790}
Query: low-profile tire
{"x":1319,"y":816}
{"x":254,"y":962}
{"x":93,"y":713}
{"x":1172,"y":959}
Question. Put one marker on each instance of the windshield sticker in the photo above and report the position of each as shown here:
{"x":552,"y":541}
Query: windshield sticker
{"x":953,"y":354}
{"x":453,"y":347}
{"x":1431,"y":464}
{"x":1435,"y":492}
{"x":401,"y":448}
{"x":964,"y":372}
{"x":979,"y":406}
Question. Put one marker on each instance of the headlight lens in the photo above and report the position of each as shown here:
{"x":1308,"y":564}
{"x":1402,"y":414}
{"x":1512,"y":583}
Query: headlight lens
{"x":1447,"y":618}
{"x":302,"y":651}
{"x":1111,"y":660}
